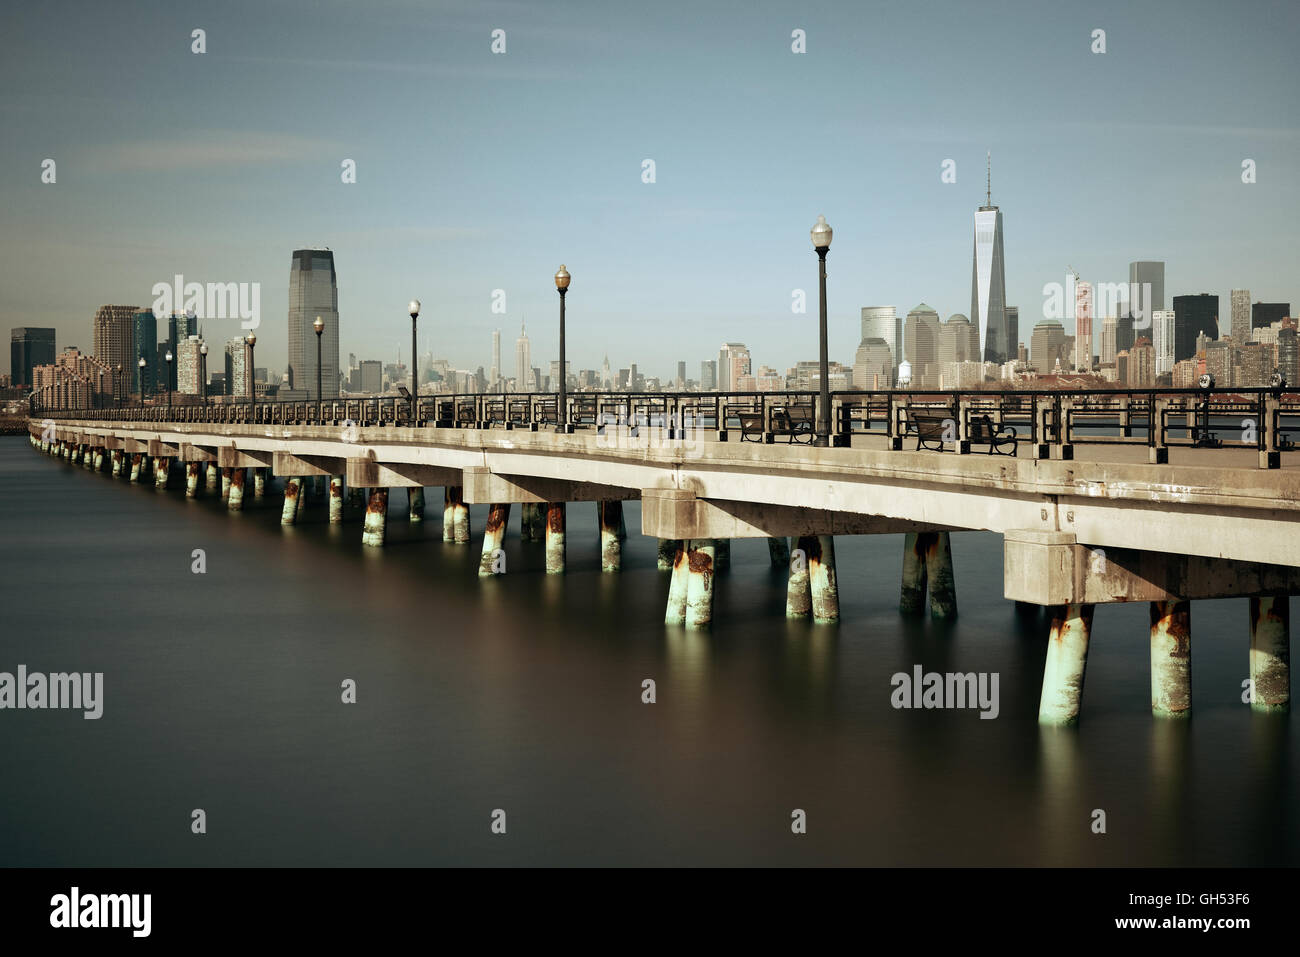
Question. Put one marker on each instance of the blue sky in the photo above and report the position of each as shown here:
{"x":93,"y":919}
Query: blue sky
{"x":478,"y":172}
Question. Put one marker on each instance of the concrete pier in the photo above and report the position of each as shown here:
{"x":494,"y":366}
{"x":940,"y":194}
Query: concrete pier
{"x":491,"y":562}
{"x":160,"y":468}
{"x":555,"y":521}
{"x":213,"y":478}
{"x":1270,"y":652}
{"x":822,"y":581}
{"x":137,"y":461}
{"x":235,"y":495}
{"x":532,"y":521}
{"x":303,"y":494}
{"x":611,"y":546}
{"x":99,"y":458}
{"x":451,"y":497}
{"x":415,"y":504}
{"x":798,"y":598}
{"x":117,"y":463}
{"x":376,"y":523}
{"x":292,"y":492}
{"x":778,"y":551}
{"x":721,"y":554}
{"x":678,"y":585}
{"x":336,"y":500}
{"x":191,"y":479}
{"x":225,"y":484}
{"x":1067,"y":659}
{"x":460,"y":518}
{"x":668,"y":549}
{"x":1171,"y":659}
{"x":699,"y":586}
{"x":927,"y":566}
{"x":259,"y":484}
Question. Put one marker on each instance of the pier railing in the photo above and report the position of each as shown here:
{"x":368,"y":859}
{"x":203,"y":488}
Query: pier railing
{"x":1048,"y":423}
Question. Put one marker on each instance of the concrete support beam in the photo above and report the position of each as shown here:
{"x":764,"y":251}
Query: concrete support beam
{"x":308,"y":466}
{"x":1270,"y":653}
{"x":292,"y":493}
{"x":610,"y":515}
{"x":376,"y":522}
{"x":699,"y":586}
{"x":483,"y":486}
{"x":680,"y":513}
{"x":229,"y":457}
{"x":1171,"y":659}
{"x":555,"y":530}
{"x":368,"y":473}
{"x":1067,"y":659}
{"x":158,"y":449}
{"x":196,"y":453}
{"x":1052,"y":568}
{"x":235,"y":496}
{"x":492,"y":561}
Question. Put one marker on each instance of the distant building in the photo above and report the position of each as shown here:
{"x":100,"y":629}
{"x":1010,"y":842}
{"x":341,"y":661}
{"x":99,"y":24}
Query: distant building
{"x":1047,"y":346}
{"x":958,"y":341}
{"x":733,"y":362}
{"x":1083,"y":326}
{"x":921,"y":346}
{"x":1194,"y":315}
{"x":523,"y":362}
{"x":1141,"y":371}
{"x":29,"y":346}
{"x":1239,"y":324}
{"x":495,"y":376}
{"x":189,"y":367}
{"x":873,"y":365}
{"x":988,"y":285}
{"x":1255,"y":363}
{"x":1144,"y":277}
{"x":238,"y":382}
{"x":882,"y":322}
{"x":1219,"y":361}
{"x":1163,"y":324}
{"x":73,"y":381}
{"x":1108,"y":343}
{"x":313,"y":292}
{"x":1287,"y":361}
{"x":708,"y":375}
{"x":114,"y":331}
{"x":146,"y":381}
{"x":1267,"y":313}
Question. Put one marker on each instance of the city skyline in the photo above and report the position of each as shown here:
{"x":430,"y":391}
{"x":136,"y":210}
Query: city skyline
{"x":452,"y":232}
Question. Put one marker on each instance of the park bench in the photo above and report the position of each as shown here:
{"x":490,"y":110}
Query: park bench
{"x":935,"y":426}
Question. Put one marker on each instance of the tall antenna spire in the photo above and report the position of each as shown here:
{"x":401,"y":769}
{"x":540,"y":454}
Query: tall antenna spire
{"x":988,"y":185}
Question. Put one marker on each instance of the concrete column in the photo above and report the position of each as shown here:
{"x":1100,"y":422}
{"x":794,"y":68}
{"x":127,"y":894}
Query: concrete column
{"x":292,"y":492}
{"x":461,"y":518}
{"x":160,"y":465}
{"x":798,"y":599}
{"x":668,"y":549}
{"x":699,"y":586}
{"x":821,"y":581}
{"x":622,"y":525}
{"x":611,"y":547}
{"x":225,"y":484}
{"x":191,"y":479}
{"x":356,"y":501}
{"x":117,"y":463}
{"x":779,"y":552}
{"x":450,"y":496}
{"x":259,"y":484}
{"x":136,"y":461}
{"x":555,"y":514}
{"x":415,"y":504}
{"x":939,"y":577}
{"x":1067,"y":658}
{"x":304,"y":492}
{"x":99,"y":458}
{"x":911,"y":599}
{"x":376,"y":523}
{"x":1171,"y":659}
{"x":235,"y":496}
{"x":492,"y":561}
{"x":336,"y":500}
{"x":678,"y":584}
{"x":212,"y":477}
{"x":721,"y":554}
{"x":1270,"y":652}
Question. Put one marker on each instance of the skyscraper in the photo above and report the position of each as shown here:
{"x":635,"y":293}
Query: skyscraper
{"x":1083,"y":326}
{"x":1162,"y":327}
{"x":115,"y":342}
{"x":239,"y":377}
{"x":1146,"y":281}
{"x":921,"y":345}
{"x":708,"y":375}
{"x":882,"y":322}
{"x":523,"y":362}
{"x":958,"y":341}
{"x":1046,"y":345}
{"x":1266,"y":313}
{"x":189,"y":367}
{"x":733,"y":362}
{"x":146,"y":381}
{"x":1239,"y":327}
{"x":1013,"y":331}
{"x":1194,"y":315}
{"x":496,"y":357}
{"x":988,"y":306}
{"x":313,"y":291}
{"x":29,"y":347}
{"x":1288,"y":360}
{"x":1108,"y":350}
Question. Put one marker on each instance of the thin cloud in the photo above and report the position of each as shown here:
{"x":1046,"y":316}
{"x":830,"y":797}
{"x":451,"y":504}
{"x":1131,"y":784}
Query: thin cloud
{"x":207,"y":150}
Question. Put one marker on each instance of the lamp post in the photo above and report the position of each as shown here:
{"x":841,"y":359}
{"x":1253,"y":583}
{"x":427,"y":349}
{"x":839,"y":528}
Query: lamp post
{"x":252,"y":368}
{"x":413,"y":307}
{"x":562,"y":284}
{"x":142,"y":364}
{"x":821,"y":240}
{"x":170,"y":357}
{"x":203,"y":373}
{"x":117,"y":386}
{"x":319,"y":326}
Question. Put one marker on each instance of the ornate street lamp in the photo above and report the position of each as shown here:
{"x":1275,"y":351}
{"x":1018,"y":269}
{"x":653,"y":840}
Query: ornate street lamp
{"x":169,"y":357}
{"x":252,"y":368}
{"x":413,"y":307}
{"x":203,"y":373}
{"x":142,"y":364}
{"x":319,"y":326}
{"x":821,"y":240}
{"x":562,"y":409}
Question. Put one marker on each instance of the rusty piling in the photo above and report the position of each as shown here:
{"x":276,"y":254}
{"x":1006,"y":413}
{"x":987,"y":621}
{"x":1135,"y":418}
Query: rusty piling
{"x":493,"y":560}
{"x":336,"y":499}
{"x":798,"y":599}
{"x":160,"y":467}
{"x":1171,"y":659}
{"x":1270,"y":653}
{"x":376,"y":523}
{"x":555,"y":550}
{"x":1067,"y":660}
{"x":235,"y":495}
{"x":699,"y":585}
{"x":678,"y":584}
{"x":415,"y":504}
{"x":668,"y":549}
{"x":191,"y":479}
{"x":292,"y":492}
{"x":611,"y":546}
{"x":212,"y":479}
{"x":136,"y":461}
{"x":822,"y":581}
{"x":117,"y":463}
{"x":259,"y":484}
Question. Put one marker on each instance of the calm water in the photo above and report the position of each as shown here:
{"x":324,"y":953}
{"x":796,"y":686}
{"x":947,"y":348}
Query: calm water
{"x":222,"y":692}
